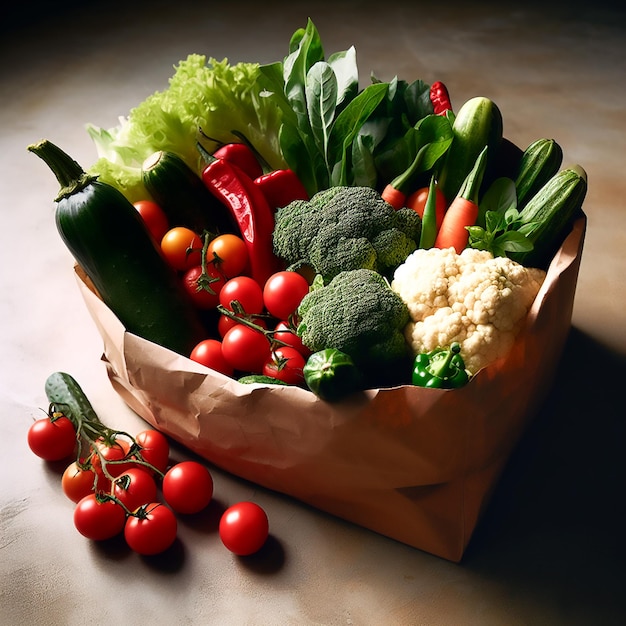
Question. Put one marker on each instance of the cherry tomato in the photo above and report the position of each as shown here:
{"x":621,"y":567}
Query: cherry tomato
{"x":52,"y":439}
{"x":209,"y":353}
{"x":113,"y":456}
{"x":98,"y":520}
{"x":188,"y":487}
{"x":135,"y":487}
{"x":229,"y":253}
{"x":283,"y":292}
{"x":284,"y":333}
{"x":246,"y":291}
{"x":154,"y":218}
{"x":417,"y":202}
{"x":286,"y":364}
{"x":182,"y":248}
{"x":245,"y":349}
{"x":151,"y":530}
{"x":78,"y":482}
{"x":244,"y":528}
{"x":154,"y":448}
{"x":204,"y":290}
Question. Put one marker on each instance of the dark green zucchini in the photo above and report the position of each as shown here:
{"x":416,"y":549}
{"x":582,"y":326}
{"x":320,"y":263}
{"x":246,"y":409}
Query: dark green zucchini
{"x":540,"y":162}
{"x":182,"y":195}
{"x":109,"y":240}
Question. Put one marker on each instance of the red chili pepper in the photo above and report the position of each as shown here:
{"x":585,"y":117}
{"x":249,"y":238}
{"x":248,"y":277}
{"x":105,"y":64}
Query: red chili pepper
{"x":251,"y":211}
{"x":440,"y":98}
{"x":281,"y":187}
{"x":242,"y":156}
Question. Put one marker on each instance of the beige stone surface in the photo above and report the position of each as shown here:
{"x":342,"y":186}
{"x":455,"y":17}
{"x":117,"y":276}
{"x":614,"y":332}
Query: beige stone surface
{"x":550,"y":548}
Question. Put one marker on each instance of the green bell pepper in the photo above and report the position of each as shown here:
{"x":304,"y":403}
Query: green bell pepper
{"x":442,"y":368}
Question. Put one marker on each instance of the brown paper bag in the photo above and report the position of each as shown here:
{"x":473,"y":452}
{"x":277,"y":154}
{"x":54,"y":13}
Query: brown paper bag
{"x":417,"y":465}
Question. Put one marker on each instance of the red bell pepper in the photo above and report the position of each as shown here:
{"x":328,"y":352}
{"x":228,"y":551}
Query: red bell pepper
{"x":252,"y":212}
{"x":280,"y":187}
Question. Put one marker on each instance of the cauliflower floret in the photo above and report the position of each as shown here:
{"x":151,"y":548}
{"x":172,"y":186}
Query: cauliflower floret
{"x":473,"y":298}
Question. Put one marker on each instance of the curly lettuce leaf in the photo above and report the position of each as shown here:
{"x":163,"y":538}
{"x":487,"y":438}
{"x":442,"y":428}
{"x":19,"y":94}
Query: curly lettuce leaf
{"x":213,"y":96}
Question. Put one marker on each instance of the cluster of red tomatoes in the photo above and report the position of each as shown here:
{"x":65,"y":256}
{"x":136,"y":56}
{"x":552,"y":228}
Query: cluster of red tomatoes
{"x":267,"y":346}
{"x":127,"y":486}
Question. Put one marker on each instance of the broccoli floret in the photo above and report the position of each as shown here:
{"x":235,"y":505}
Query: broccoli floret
{"x":345,"y":228}
{"x":359,"y":314}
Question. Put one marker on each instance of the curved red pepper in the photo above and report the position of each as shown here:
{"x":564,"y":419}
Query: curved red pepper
{"x":251,"y":211}
{"x":440,"y":98}
{"x":281,"y":187}
{"x":242,"y":156}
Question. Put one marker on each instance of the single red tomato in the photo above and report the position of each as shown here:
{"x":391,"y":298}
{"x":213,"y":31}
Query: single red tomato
{"x":246,"y":291}
{"x":182,"y":248}
{"x":244,"y":528}
{"x":151,"y":530}
{"x":188,"y":487}
{"x":245,"y":348}
{"x":154,"y":218}
{"x":204,"y":288}
{"x":283,"y":292}
{"x":98,"y":519}
{"x":229,"y":253}
{"x":417,"y":202}
{"x":52,"y":439}
{"x":286,"y":364}
{"x":135,"y":487}
{"x":78,"y":482}
{"x":284,"y":333}
{"x":115,"y":455}
{"x":209,"y":352}
{"x":154,"y":448}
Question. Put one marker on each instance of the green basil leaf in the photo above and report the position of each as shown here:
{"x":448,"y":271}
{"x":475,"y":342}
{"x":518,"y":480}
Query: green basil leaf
{"x":321,"y":98}
{"x":500,"y":196}
{"x":514,"y":241}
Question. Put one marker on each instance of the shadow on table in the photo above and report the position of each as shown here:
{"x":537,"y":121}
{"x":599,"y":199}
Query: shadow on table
{"x":557,"y":519}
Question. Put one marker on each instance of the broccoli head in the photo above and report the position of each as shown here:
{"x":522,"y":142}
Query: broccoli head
{"x":359,"y":314}
{"x":345,"y":228}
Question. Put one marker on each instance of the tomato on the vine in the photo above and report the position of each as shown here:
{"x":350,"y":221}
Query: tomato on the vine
{"x":245,"y":348}
{"x":154,"y":448}
{"x":285,"y":363}
{"x":98,"y":519}
{"x":52,"y":439}
{"x":182,"y":248}
{"x":115,"y":455}
{"x":188,"y":487}
{"x":285,"y":334}
{"x":135,"y":487}
{"x":246,"y":291}
{"x":229,"y":253}
{"x":209,"y":352}
{"x":151,"y":529}
{"x":204,"y":289}
{"x":78,"y":482}
{"x":244,"y":528}
{"x":225,"y":323}
{"x":283,"y":292}
{"x":154,"y":218}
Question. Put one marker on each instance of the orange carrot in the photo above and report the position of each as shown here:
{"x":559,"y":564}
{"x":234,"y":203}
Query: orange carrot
{"x":393,"y":196}
{"x":463,"y":210}
{"x":453,"y":232}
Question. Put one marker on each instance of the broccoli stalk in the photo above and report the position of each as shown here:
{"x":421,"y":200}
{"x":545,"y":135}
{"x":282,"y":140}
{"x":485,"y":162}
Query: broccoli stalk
{"x":345,"y":228}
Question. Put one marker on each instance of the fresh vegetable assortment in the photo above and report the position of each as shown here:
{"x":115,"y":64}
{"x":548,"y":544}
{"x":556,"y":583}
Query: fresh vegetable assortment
{"x":126,"y":486}
{"x":282,"y":223}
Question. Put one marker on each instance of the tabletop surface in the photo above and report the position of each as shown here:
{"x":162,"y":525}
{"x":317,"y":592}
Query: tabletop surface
{"x":549,"y":549}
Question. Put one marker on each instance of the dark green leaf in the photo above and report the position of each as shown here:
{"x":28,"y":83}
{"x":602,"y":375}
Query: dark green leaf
{"x":363,"y":167}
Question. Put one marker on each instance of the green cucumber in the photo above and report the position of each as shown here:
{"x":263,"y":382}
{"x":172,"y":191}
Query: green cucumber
{"x":182,"y":195}
{"x":110,"y":242}
{"x":540,"y":161}
{"x":67,"y":396}
{"x":478,"y":123}
{"x":553,"y":209}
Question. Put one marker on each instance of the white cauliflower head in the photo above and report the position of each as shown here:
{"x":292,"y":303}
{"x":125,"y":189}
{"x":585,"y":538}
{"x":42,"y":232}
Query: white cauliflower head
{"x":474,"y":298}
